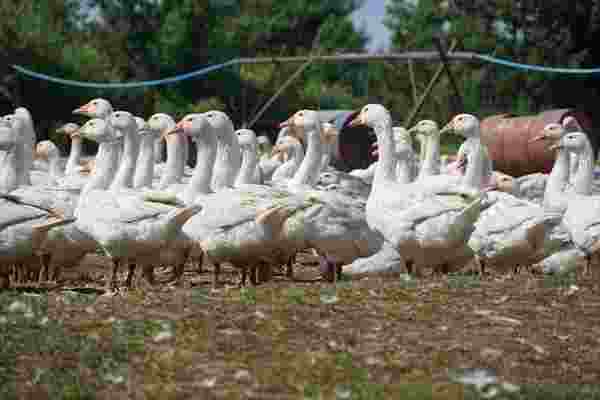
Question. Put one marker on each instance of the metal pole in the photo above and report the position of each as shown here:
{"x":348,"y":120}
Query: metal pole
{"x":457,"y":99}
{"x":428,"y":89}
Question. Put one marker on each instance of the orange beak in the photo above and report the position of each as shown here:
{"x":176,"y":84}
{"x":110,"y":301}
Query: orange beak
{"x":287,"y":122}
{"x":84,"y":109}
{"x":537,"y":138}
{"x":179,"y":128}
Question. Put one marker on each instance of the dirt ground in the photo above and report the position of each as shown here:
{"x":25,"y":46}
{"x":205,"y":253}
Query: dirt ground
{"x":369,"y":339}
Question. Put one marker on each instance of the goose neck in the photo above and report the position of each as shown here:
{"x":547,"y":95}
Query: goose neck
{"x":477,"y":158}
{"x":386,"y":164}
{"x":431,"y":160}
{"x":206,"y":154}
{"x":107,"y":161}
{"x":310,"y":167}
{"x":54,"y":168}
{"x":74,"y":155}
{"x":582,"y":180}
{"x":12,"y":168}
{"x":229,"y":160}
{"x":144,"y":171}
{"x":248,"y":168}
{"x":557,"y":180}
{"x":124,"y":177}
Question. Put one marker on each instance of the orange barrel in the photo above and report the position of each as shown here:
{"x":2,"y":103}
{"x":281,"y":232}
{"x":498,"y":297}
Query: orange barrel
{"x":354,"y":144}
{"x":507,"y":138}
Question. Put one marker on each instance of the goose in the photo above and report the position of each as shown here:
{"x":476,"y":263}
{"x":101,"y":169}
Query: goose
{"x":533,"y":186}
{"x":125,"y":125}
{"x":583,"y":210}
{"x":23,"y":226}
{"x":511,"y":232}
{"x":75,"y":163}
{"x":330,"y":140}
{"x":128,"y":228}
{"x":171,"y":172}
{"x":229,"y":158}
{"x":145,"y":164}
{"x":295,"y":155}
{"x":407,"y":167}
{"x":419,"y":228}
{"x":30,"y":139}
{"x":249,"y":171}
{"x":240,"y":226}
{"x":47,"y":151}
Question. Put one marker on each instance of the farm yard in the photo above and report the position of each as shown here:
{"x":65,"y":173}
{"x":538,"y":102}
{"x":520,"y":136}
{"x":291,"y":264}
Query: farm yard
{"x":525,"y":337}
{"x":342,"y":199}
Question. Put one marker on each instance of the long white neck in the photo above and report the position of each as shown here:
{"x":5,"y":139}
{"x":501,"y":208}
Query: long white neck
{"x":582,"y":181}
{"x":185,"y":154}
{"x":144,"y":170}
{"x":422,"y":150}
{"x":12,"y":169}
{"x":173,"y":171}
{"x":557,"y":181}
{"x":200,"y":183}
{"x":327,"y":147}
{"x":385,"y":171}
{"x":54,"y":168}
{"x":107,"y":162}
{"x":228,"y":163}
{"x":431,"y":162}
{"x":310,"y":168}
{"x":477,"y":159}
{"x":248,"y":169}
{"x":574,"y":164}
{"x":159,"y":145}
{"x":74,"y":156}
{"x":131,"y":148}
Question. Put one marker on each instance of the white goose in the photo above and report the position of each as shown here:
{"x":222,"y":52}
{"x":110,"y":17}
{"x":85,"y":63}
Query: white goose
{"x":229,"y":158}
{"x":295,"y":154}
{"x":23,"y":226}
{"x":128,"y":228}
{"x":583,"y":210}
{"x":249,"y":171}
{"x":75,"y":163}
{"x":144,"y":171}
{"x":419,"y":229}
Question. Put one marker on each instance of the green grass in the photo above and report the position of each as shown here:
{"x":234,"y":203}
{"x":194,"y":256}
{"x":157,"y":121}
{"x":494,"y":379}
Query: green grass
{"x":565,"y":279}
{"x":463,"y":281}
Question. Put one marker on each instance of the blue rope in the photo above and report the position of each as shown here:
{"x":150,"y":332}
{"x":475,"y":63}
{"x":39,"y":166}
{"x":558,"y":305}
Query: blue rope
{"x":537,"y":68}
{"x":112,"y":85}
{"x":206,"y":70}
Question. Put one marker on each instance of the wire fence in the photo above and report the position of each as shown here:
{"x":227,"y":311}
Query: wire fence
{"x":464,"y":56}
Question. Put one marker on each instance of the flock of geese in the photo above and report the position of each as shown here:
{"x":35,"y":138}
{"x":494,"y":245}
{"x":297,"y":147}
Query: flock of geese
{"x":255,"y":207}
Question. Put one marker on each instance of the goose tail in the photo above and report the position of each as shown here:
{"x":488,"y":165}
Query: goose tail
{"x":177,"y":218}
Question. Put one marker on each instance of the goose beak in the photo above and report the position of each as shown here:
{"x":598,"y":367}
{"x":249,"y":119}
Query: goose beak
{"x":287,"y":122}
{"x":461,"y":163}
{"x":176,"y":129}
{"x":556,"y":146}
{"x":277,"y":149}
{"x":358,"y":121}
{"x":538,"y":138}
{"x":448,"y":127}
{"x":412,"y":130}
{"x":83,"y":110}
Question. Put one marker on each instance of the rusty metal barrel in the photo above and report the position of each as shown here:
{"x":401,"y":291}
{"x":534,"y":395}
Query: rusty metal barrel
{"x":507,"y":138}
{"x":354,"y":144}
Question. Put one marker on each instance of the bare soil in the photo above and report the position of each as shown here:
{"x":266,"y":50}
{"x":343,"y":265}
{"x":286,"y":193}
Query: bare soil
{"x":305,"y":338}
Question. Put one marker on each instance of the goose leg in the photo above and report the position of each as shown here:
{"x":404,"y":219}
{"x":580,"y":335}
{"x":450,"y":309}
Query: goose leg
{"x":4,"y":277}
{"x":588,"y":265}
{"x":265,"y":272}
{"x":200,"y":263}
{"x":130,"y":275}
{"x":45,"y":271}
{"x":481,"y":264}
{"x":148,"y":273}
{"x":216,"y":272}
{"x":409,"y":266}
{"x":289,"y":271}
{"x":254,"y":279}
{"x":112,"y":284}
{"x":244,"y":275}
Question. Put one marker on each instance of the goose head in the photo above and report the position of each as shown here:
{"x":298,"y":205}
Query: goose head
{"x":195,"y":126}
{"x":552,"y":133}
{"x":372,"y":115}
{"x":24,"y":113}
{"x":465,"y":125}
{"x":161,"y":123}
{"x":426,"y":128}
{"x":123,"y":122}
{"x":220,"y":123}
{"x":304,"y":124}
{"x":46,"y":150}
{"x":143,"y":128}
{"x":575,"y":142}
{"x":247,"y":139}
{"x":285,"y":144}
{"x":330,"y":132}
{"x":504,"y":183}
{"x":402,"y":136}
{"x":96,"y":108}
{"x":17,"y":125}
{"x":70,"y":129}
{"x":99,"y":130}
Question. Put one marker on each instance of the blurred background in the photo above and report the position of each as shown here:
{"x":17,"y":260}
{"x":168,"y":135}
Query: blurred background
{"x":122,"y":41}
